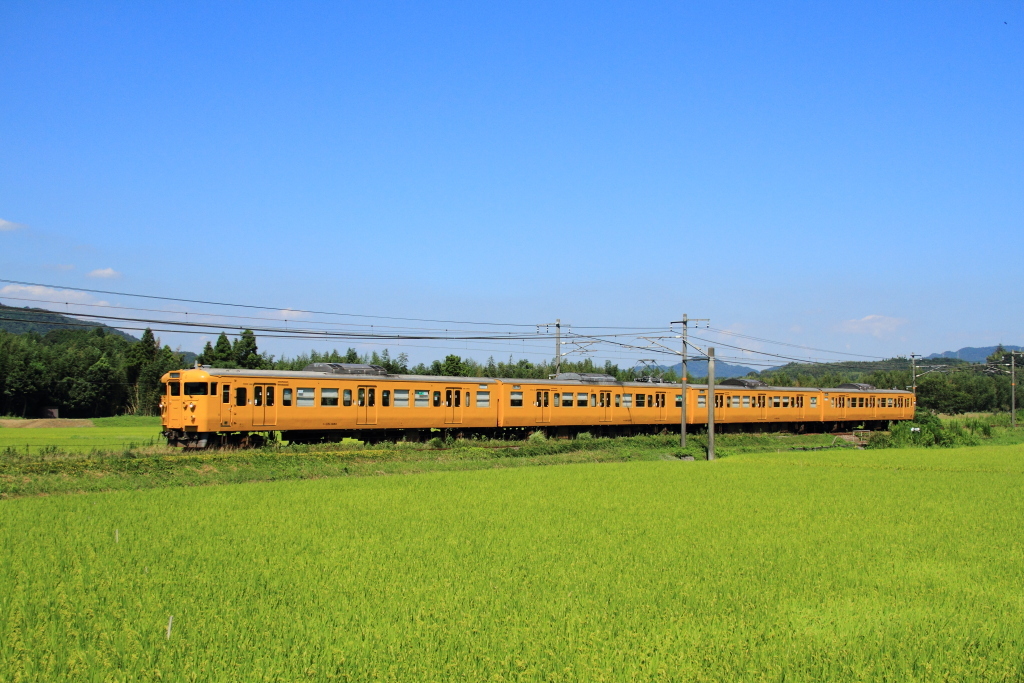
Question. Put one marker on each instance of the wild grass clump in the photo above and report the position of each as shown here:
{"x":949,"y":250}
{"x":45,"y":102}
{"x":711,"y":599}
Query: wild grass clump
{"x":928,"y":431}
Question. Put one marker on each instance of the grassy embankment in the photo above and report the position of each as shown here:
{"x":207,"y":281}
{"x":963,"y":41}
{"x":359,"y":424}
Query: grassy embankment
{"x":126,"y":453}
{"x":800,"y":566}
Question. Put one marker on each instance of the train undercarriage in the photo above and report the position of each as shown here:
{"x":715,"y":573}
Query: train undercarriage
{"x":202,"y":440}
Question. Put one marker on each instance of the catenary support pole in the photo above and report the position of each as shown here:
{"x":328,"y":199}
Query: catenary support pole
{"x":1013,"y":390}
{"x":913,"y":372}
{"x":558,"y":345}
{"x":711,"y":403}
{"x":682,"y":414}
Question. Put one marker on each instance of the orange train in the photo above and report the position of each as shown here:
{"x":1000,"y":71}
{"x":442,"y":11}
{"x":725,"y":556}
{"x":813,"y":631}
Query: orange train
{"x":328,"y":401}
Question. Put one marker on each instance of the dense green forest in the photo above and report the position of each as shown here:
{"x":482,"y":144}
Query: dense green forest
{"x":93,"y":373}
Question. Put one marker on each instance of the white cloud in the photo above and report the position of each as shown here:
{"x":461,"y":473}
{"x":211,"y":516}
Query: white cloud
{"x":875,"y":325}
{"x":49,"y":294}
{"x":289,"y":314}
{"x":105,"y":273}
{"x":8,"y":226}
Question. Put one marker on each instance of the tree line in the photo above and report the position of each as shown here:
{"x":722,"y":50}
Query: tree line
{"x":92,"y":373}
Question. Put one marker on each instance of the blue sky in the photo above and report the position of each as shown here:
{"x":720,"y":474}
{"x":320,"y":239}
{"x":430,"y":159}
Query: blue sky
{"x":842,"y":176}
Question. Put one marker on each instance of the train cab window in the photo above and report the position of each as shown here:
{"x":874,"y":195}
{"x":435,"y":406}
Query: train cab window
{"x":305,"y":397}
{"x":483,"y":399}
{"x":329,"y":397}
{"x":385,"y":398}
{"x":371,"y":397}
{"x":175,"y":388}
{"x":516,"y":399}
{"x":346,"y":397}
{"x":746,"y":401}
{"x":401,"y":398}
{"x":240,"y":397}
{"x":195,"y":388}
{"x":225,"y":396}
{"x":286,"y":397}
{"x":593,"y":400}
{"x":679,"y":400}
{"x":437,"y":399}
{"x":640,"y":400}
{"x":257,"y":395}
{"x":270,"y":396}
{"x":814,"y":401}
{"x":627,"y":400}
{"x":422,"y":398}
{"x":702,"y":401}
{"x":618,"y":400}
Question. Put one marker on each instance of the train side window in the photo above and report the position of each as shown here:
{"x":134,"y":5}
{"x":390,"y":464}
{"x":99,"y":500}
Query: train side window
{"x":785,"y":401}
{"x":679,"y":400}
{"x":640,"y":400}
{"x":240,"y":398}
{"x":385,"y":398}
{"x":776,"y":401}
{"x":421,"y":398}
{"x":225,"y":393}
{"x":483,"y":399}
{"x":702,"y":401}
{"x":618,"y":400}
{"x":437,"y":399}
{"x":401,"y":398}
{"x":329,"y":397}
{"x":213,"y":388}
{"x":746,"y":401}
{"x":468,"y":396}
{"x":175,"y":388}
{"x":270,"y":396}
{"x":257,"y":395}
{"x":305,"y":397}
{"x":371,"y":397}
{"x":286,"y":397}
{"x":814,"y":401}
{"x":558,"y":399}
{"x":627,"y":400}
{"x":516,"y":399}
{"x":593,"y":400}
{"x":346,"y":397}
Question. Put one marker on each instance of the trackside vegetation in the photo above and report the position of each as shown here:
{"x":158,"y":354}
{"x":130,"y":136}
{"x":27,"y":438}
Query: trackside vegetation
{"x":840,"y":565}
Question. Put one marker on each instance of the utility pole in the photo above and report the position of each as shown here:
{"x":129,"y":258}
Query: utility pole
{"x":682,"y":414}
{"x":913,"y":371}
{"x":1013,"y":390}
{"x":711,"y":403}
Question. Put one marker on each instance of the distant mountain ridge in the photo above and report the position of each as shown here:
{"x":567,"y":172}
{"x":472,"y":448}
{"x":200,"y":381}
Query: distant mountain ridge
{"x":973,"y":354}
{"x":25,"y":320}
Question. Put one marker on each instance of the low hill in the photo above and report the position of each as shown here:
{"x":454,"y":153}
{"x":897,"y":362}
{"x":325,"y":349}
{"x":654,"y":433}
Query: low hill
{"x":25,"y":320}
{"x":973,"y":354}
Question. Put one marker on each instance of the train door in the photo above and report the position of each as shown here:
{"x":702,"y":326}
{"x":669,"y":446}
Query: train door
{"x":762,"y":407}
{"x":662,"y":406}
{"x":225,"y":405}
{"x":264,"y":405}
{"x":453,"y":405}
{"x":366,"y":405}
{"x":543,"y":404}
{"x":173,"y":402}
{"x":605,"y":403}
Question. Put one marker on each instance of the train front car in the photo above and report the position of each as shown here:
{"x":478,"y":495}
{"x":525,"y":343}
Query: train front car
{"x":189,"y":408}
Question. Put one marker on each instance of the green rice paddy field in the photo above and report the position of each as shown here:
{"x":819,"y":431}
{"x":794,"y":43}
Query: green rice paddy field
{"x":901,"y":565}
{"x":107,"y":433}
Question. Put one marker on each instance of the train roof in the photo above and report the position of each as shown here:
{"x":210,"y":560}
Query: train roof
{"x":565,"y":380}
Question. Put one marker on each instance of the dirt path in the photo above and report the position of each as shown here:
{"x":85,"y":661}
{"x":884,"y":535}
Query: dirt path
{"x":29,"y":424}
